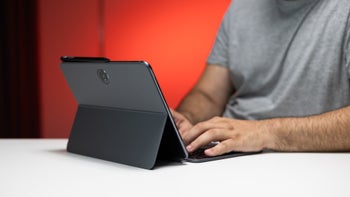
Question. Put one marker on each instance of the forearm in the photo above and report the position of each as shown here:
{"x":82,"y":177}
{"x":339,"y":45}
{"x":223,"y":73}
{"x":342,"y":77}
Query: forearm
{"x":197,"y":107}
{"x":209,"y":96}
{"x":325,"y":132}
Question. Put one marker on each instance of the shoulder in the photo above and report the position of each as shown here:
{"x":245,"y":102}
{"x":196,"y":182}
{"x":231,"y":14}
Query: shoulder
{"x":242,"y":11}
{"x":335,"y":6}
{"x":246,"y":6}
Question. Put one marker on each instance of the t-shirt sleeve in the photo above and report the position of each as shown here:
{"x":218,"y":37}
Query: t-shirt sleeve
{"x":219,"y":52}
{"x":347,"y":48}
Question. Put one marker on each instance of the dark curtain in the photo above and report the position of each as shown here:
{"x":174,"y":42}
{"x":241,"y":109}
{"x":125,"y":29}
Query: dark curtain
{"x":19,"y":104}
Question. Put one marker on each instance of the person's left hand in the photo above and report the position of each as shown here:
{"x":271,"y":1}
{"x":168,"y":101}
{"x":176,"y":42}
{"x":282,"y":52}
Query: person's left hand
{"x":232,"y":135}
{"x":182,"y":123}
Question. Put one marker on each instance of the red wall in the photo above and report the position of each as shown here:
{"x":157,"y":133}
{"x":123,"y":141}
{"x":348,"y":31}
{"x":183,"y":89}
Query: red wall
{"x":175,"y":37}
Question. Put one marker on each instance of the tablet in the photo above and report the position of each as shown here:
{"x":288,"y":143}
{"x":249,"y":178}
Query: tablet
{"x":122,"y":115}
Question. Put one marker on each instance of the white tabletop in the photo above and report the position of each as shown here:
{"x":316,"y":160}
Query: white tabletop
{"x":42,"y":167}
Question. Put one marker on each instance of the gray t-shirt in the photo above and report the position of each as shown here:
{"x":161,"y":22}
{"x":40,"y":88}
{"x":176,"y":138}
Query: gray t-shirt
{"x":287,"y":58}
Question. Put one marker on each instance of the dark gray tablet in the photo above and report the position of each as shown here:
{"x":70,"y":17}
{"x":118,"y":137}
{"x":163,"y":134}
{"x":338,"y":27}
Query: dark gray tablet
{"x":122,"y":115}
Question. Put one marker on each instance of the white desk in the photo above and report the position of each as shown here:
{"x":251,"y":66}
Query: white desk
{"x":44,"y":168}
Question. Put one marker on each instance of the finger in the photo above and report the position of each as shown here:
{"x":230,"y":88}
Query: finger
{"x":221,"y":148}
{"x":183,"y":128}
{"x":216,"y":134}
{"x":197,"y":130}
{"x":176,"y":115}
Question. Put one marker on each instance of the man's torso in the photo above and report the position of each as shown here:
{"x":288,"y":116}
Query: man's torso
{"x":286,"y":57}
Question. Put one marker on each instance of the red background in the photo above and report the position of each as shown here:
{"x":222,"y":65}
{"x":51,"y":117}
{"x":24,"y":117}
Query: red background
{"x":175,"y":37}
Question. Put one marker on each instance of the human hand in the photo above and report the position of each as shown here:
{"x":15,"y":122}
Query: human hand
{"x":232,"y":135}
{"x":182,"y":123}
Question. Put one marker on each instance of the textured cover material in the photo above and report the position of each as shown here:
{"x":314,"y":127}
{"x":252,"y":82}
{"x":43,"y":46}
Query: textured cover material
{"x":123,"y":136}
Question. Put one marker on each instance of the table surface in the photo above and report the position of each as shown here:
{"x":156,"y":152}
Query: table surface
{"x":42,"y":167}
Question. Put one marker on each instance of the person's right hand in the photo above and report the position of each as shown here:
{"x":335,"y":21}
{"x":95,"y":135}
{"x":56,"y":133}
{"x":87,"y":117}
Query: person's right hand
{"x":182,"y":123}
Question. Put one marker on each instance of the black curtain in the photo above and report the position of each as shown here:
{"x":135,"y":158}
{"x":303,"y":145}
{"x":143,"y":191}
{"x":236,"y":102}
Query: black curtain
{"x":19,"y":100}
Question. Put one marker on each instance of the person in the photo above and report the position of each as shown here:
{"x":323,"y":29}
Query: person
{"x":277,"y":78}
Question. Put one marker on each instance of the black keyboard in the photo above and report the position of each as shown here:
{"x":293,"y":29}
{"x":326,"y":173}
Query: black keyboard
{"x":199,"y":155}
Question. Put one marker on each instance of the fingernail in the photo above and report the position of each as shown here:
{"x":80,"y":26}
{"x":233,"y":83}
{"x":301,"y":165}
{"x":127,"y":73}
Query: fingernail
{"x":189,"y":148}
{"x":208,"y":152}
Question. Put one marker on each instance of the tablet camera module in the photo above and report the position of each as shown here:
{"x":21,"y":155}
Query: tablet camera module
{"x":103,"y":75}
